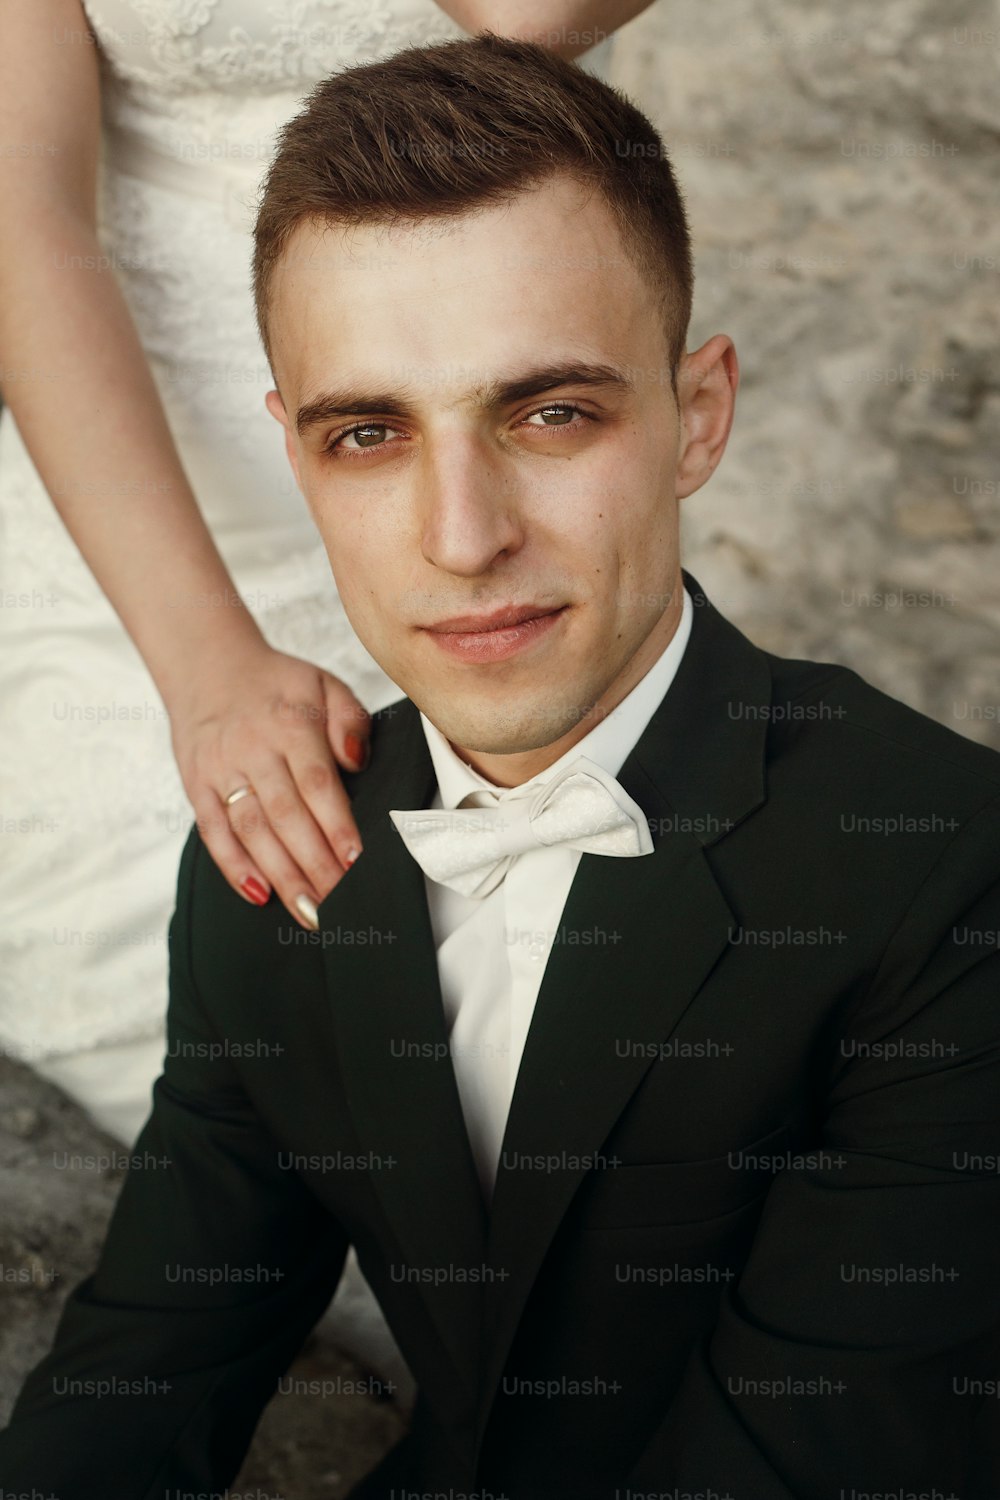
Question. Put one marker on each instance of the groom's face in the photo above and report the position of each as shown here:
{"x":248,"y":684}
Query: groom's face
{"x":515,"y":446}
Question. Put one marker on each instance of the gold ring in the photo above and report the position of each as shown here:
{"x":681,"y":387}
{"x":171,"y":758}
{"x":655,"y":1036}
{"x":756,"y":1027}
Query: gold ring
{"x":241,"y":791}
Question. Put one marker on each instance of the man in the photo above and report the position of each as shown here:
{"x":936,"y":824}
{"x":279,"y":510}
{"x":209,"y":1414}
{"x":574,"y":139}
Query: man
{"x":648,"y":1054}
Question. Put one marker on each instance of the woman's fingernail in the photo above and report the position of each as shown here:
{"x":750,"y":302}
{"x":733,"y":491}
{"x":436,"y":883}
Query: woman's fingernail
{"x":307,"y":911}
{"x":351,"y":855}
{"x":259,"y":894}
{"x":357,"y":749}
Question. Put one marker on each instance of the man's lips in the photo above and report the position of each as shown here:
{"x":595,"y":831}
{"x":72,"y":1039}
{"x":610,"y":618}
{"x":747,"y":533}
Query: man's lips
{"x":494,"y":638}
{"x":500,"y":619}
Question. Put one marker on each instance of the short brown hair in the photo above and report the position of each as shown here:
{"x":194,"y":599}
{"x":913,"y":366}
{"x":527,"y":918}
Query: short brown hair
{"x":438,"y":131}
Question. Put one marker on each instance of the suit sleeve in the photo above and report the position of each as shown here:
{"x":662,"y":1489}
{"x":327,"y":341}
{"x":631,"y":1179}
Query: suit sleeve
{"x":216,"y":1265}
{"x":860,"y":1349}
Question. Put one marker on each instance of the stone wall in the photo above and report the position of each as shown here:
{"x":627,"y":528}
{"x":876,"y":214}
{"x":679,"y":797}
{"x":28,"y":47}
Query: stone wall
{"x":842,"y":173}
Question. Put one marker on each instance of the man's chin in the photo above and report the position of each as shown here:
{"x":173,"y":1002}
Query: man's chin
{"x":494,"y":731}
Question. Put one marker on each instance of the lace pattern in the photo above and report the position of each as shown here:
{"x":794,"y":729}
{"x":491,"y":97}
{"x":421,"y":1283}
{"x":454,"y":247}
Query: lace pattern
{"x":186,"y":45}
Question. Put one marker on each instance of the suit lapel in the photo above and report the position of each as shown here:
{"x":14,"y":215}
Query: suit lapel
{"x":659,"y":924}
{"x":388,"y":1018}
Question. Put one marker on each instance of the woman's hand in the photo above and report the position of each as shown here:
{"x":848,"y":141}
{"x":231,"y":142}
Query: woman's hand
{"x":278,"y":726}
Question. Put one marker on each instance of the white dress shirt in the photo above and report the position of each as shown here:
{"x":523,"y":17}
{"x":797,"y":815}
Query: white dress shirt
{"x":492,"y":952}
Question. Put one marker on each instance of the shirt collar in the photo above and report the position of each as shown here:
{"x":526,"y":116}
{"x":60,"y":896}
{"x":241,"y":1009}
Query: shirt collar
{"x":608,"y":744}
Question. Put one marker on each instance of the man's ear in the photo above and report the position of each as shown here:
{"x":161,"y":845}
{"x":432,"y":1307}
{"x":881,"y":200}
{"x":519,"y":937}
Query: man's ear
{"x":276,"y":407}
{"x":707,"y":382}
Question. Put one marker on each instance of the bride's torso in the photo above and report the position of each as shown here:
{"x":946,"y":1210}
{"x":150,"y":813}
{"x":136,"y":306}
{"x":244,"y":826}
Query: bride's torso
{"x":193,"y":95}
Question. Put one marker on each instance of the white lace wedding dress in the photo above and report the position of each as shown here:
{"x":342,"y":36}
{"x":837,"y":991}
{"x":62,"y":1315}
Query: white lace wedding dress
{"x":92,"y":812}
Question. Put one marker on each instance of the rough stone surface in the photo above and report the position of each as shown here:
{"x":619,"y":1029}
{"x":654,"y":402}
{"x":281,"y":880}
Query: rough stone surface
{"x":842,"y":173}
{"x":329,"y":1419}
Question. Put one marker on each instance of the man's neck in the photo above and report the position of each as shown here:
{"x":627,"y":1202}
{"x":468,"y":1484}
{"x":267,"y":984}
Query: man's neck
{"x":514,"y":770}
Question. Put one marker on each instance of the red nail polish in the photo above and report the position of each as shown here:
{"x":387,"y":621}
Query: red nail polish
{"x":357,"y":749}
{"x":258,"y":893}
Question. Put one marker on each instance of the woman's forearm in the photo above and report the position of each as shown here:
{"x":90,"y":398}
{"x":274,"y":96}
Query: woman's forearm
{"x":76,"y":379}
{"x":568,"y":27}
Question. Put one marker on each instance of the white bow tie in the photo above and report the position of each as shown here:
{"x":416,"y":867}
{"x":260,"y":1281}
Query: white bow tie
{"x":471,"y":849}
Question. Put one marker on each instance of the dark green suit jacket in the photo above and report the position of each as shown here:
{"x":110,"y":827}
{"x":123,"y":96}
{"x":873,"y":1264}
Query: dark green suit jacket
{"x":746,"y":1229}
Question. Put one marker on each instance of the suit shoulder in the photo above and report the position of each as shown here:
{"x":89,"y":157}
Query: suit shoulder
{"x":871,"y":729}
{"x":392,"y":722}
{"x":395,"y":713}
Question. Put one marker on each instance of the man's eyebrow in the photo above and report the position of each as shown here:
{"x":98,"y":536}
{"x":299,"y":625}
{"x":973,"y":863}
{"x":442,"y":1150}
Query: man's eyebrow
{"x":490,"y":396}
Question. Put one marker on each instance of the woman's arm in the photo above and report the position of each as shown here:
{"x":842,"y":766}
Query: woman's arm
{"x":76,"y":379}
{"x":569,"y":27}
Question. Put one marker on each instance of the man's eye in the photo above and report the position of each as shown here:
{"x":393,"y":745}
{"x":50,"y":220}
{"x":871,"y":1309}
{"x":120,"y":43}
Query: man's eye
{"x":560,"y":411}
{"x":366,"y":435}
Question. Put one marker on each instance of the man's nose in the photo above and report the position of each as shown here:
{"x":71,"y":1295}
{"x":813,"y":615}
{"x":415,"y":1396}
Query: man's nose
{"x":468,"y":502}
